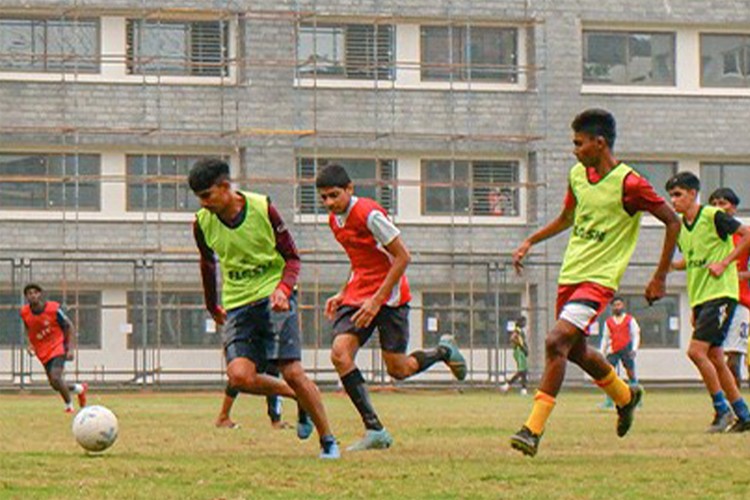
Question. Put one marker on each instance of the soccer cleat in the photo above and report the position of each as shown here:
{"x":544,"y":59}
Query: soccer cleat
{"x":69,"y":410}
{"x":82,"y":395}
{"x":304,"y":425}
{"x":330,"y":450}
{"x":373,"y":440}
{"x":739,"y":426}
{"x":607,"y":403}
{"x":505,"y":387}
{"x":626,"y":414}
{"x":525,"y":441}
{"x":455,"y":361}
{"x":524,"y":392}
{"x":721,"y":423}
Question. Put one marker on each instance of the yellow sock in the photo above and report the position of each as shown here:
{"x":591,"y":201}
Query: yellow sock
{"x":615,"y":387}
{"x":543,"y":406}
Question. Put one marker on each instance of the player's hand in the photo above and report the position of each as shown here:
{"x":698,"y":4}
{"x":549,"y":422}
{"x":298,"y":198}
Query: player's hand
{"x":219,"y":315}
{"x":279,"y":300}
{"x":716,"y":269}
{"x":366,"y":313}
{"x":655,"y":290}
{"x":332,"y":305}
{"x":31,"y":351}
{"x":519,"y":254}
{"x":70,"y":356}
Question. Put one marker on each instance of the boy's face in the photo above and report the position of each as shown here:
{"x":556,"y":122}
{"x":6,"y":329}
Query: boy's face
{"x":588,"y":149}
{"x":216,"y":198}
{"x":618,"y":307}
{"x":336,"y":199}
{"x":34,"y":297}
{"x":682,"y":199}
{"x":724,"y":205}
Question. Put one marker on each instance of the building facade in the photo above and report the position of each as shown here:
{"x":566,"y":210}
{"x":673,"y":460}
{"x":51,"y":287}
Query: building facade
{"x":453,"y":115}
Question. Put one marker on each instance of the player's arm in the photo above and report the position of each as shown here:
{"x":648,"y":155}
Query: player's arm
{"x":70,"y":338}
{"x":388,"y":235}
{"x":556,"y":226}
{"x":604,"y":345}
{"x":292,"y":263}
{"x":208,"y":276}
{"x":725,"y":226}
{"x":29,"y":345}
{"x":678,"y":265}
{"x":635,"y":334}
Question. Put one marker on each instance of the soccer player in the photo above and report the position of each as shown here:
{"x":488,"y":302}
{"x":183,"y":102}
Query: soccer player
{"x":375,"y":295}
{"x":259,"y":268}
{"x":713,"y":290}
{"x":603,"y":205}
{"x":735,"y":346}
{"x":52,"y":338}
{"x":620,"y":341}
{"x":520,"y":355}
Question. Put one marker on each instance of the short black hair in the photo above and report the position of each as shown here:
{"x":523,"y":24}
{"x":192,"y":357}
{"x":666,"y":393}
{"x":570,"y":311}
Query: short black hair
{"x":333,"y":175}
{"x":597,"y":123}
{"x":725,"y":194}
{"x":207,"y":172}
{"x":616,"y":298}
{"x":685,"y":180}
{"x":32,"y":286}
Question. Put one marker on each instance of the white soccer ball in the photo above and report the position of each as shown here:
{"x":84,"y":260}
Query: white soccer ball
{"x":95,"y":428}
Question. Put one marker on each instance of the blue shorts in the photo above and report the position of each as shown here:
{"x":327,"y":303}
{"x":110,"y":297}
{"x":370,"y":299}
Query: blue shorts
{"x":261,"y":335}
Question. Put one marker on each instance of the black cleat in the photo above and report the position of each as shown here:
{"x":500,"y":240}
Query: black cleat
{"x":525,"y":441}
{"x":626,"y":413}
{"x":739,"y":426}
{"x":721,"y":423}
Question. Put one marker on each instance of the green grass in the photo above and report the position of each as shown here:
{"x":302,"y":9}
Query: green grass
{"x":447,"y":445}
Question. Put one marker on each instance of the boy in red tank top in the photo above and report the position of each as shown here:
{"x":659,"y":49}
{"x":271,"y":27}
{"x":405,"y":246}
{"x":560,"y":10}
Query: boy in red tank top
{"x":52,"y":339}
{"x":620,"y":341}
{"x":376,"y":295}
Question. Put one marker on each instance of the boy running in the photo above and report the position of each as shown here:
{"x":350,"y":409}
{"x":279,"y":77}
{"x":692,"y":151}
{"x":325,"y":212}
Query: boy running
{"x":375,"y":295}
{"x":604,"y":203}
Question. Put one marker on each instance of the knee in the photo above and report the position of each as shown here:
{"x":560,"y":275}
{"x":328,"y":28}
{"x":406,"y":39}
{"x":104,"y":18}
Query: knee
{"x":340,"y":358}
{"x":398,"y":372}
{"x":238,"y":378}
{"x":293,"y":374}
{"x":554,"y":347}
{"x":695,"y":355}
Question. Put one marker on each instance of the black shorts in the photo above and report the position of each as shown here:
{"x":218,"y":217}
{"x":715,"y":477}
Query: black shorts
{"x":261,"y":335}
{"x":712,"y":320}
{"x":56,"y":362}
{"x":392,"y":324}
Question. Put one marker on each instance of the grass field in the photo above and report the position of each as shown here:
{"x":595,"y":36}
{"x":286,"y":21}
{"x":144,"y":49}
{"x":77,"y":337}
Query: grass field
{"x":448,"y":445}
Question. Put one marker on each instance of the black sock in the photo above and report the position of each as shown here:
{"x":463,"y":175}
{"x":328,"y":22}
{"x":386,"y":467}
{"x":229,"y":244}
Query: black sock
{"x":427,"y":358}
{"x":231,"y":392}
{"x":274,"y":408}
{"x":354,"y":384}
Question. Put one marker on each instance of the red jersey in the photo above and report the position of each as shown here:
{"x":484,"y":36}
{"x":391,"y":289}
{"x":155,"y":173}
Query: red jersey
{"x":742,"y":260}
{"x":45,"y":331}
{"x":370,"y":261}
{"x":619,"y":333}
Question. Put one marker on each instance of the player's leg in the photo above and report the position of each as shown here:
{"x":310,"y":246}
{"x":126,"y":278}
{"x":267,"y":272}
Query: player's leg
{"x":729,"y":386}
{"x":273,"y":403}
{"x":735,"y":344}
{"x":698,"y":354}
{"x":734,"y":363}
{"x":224,"y":419}
{"x":54,"y":369}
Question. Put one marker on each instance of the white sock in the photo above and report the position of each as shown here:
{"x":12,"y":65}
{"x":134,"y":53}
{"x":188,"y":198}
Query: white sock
{"x":77,"y":389}
{"x":69,"y":406}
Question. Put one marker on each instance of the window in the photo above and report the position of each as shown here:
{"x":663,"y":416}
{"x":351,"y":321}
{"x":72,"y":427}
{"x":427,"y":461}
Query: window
{"x":316,"y":328}
{"x":660,"y":324}
{"x":467,"y":53}
{"x":725,"y":60}
{"x":350,"y":51}
{"x":174,"y":319}
{"x":372,"y":178}
{"x":655,"y":172}
{"x":628,"y":58}
{"x":472,"y":319}
{"x":470,"y":187}
{"x":83,"y":308}
{"x":49,"y":181}
{"x":49,"y":45}
{"x":159,"y":182}
{"x":183,"y":48}
{"x":736,"y":176}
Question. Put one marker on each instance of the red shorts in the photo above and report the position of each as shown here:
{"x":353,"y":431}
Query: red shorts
{"x":586,"y":302}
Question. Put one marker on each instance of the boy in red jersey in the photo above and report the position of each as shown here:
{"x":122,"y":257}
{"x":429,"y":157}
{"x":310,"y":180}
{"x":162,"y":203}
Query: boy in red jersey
{"x":375,"y":295}
{"x":735,"y":345}
{"x":620,"y":342}
{"x":52,"y":339}
{"x":603,"y":205}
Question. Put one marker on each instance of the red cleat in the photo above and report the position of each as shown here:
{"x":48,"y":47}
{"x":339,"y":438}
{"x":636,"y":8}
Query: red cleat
{"x":70,"y":410}
{"x":82,"y":395}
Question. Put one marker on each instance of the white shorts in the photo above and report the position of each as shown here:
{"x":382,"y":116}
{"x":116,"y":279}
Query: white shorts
{"x":582,"y":315}
{"x":736,"y":340}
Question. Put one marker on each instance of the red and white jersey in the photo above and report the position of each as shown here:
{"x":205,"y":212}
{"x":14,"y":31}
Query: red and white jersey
{"x":364,"y":231}
{"x":45,"y":331}
{"x":742,"y":261}
{"x":621,"y":334}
